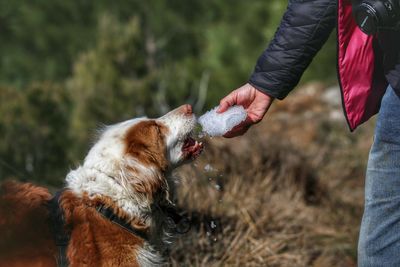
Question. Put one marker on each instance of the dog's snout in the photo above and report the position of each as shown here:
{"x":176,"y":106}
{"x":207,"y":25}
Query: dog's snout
{"x":185,"y":109}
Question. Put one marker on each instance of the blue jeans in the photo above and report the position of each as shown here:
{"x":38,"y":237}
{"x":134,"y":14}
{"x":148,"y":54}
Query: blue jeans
{"x":379,"y":243}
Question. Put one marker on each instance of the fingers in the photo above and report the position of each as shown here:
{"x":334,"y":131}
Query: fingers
{"x":235,"y":133}
{"x":227,"y":102}
{"x":240,"y":129}
{"x":243,"y":95}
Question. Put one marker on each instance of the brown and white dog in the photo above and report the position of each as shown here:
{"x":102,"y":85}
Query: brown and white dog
{"x":127,"y":172}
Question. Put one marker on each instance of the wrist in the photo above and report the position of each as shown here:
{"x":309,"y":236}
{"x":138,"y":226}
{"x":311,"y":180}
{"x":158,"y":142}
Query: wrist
{"x":260,"y":94}
{"x":263,"y":90}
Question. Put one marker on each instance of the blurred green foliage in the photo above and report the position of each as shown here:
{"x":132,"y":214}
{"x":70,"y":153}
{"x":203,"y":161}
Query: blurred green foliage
{"x":69,"y":66}
{"x":34,"y":129}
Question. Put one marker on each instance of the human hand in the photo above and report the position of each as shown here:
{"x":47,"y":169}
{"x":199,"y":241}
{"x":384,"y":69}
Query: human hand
{"x":255,"y":102}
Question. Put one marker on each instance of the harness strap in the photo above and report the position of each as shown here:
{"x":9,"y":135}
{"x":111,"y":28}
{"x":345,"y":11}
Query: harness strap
{"x":181,"y":224}
{"x":110,"y":215}
{"x":61,"y":235}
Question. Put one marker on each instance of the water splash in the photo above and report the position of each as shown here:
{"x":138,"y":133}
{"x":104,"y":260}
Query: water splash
{"x":208,"y":168}
{"x":213,"y":229}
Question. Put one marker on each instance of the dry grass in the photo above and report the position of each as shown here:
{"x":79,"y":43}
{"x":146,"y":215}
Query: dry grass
{"x":289,"y":193}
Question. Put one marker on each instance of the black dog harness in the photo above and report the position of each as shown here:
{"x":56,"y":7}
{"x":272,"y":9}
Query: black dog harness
{"x":110,"y":215}
{"x":58,"y":227}
{"x":62,"y":233}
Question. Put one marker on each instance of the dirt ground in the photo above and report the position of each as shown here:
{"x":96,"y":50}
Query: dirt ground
{"x":288,"y":193}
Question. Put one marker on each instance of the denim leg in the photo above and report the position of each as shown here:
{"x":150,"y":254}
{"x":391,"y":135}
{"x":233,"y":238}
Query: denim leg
{"x":379,"y":243}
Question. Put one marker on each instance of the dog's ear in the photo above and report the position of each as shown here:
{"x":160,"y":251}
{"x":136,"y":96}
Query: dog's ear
{"x":145,"y":142}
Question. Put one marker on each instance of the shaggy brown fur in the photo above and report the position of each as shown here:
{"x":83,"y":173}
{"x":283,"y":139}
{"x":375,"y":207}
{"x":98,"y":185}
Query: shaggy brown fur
{"x":95,"y":241}
{"x":26,"y":238}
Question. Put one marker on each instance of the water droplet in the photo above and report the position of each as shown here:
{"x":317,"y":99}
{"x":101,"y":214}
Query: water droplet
{"x":201,"y":135}
{"x":208,"y":168}
{"x":213,"y":225}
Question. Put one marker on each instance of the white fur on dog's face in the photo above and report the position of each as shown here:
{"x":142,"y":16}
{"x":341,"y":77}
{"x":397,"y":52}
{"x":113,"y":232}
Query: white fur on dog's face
{"x":180,"y":146}
{"x":174,"y":129}
{"x":145,"y":145}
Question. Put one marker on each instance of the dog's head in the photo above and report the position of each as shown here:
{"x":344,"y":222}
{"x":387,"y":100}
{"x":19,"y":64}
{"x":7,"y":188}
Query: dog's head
{"x":139,"y":151}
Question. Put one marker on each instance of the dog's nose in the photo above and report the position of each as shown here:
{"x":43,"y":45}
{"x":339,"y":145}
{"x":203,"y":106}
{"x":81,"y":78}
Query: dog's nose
{"x":186,"y":109}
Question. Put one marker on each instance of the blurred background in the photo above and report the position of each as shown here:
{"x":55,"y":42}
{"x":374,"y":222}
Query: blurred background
{"x":289,"y":193}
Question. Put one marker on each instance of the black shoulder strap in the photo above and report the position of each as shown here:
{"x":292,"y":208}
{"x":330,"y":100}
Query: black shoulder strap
{"x":110,"y":215}
{"x":180,"y":223}
{"x":61,"y":235}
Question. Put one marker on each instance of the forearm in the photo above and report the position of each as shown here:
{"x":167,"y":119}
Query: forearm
{"x":305,"y":27}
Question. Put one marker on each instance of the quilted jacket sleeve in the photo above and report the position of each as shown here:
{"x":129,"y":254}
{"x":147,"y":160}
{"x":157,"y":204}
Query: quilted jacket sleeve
{"x":304,"y":28}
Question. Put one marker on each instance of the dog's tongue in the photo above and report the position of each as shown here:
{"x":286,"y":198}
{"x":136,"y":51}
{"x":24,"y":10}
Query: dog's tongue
{"x":192,"y":147}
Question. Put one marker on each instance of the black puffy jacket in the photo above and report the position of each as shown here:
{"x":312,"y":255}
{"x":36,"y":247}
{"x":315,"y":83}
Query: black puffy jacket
{"x":305,"y":27}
